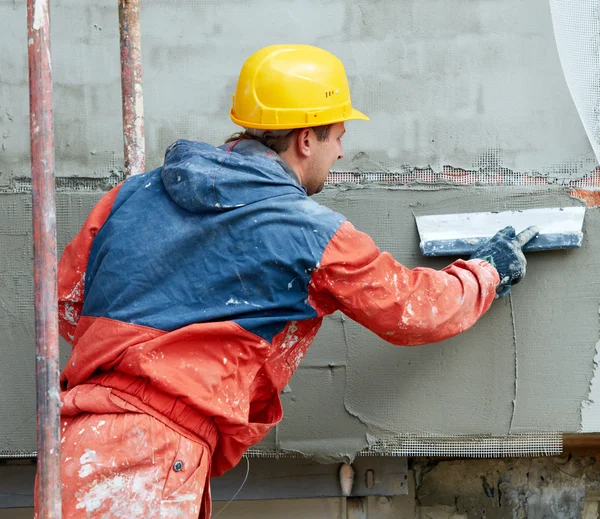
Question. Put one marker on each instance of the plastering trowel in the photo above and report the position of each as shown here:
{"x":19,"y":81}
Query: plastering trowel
{"x":460,"y":234}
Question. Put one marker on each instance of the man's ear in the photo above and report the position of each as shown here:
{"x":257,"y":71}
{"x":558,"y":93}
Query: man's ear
{"x":304,"y":142}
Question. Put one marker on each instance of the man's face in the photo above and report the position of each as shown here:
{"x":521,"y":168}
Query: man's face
{"x":327,"y":152}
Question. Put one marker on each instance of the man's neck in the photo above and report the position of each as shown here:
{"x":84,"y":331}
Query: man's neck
{"x":291,"y":160}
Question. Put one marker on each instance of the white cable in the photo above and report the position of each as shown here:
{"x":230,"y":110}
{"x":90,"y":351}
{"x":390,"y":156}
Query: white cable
{"x":239,"y":489}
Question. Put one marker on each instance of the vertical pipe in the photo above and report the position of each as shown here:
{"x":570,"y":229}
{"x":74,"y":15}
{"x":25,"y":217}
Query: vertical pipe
{"x":131,"y":86}
{"x":48,"y":498}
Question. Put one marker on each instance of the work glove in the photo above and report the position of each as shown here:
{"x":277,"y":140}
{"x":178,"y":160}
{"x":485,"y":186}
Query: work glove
{"x":504,"y":252}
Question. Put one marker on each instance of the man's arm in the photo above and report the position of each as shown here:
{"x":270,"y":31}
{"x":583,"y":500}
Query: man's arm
{"x":73,"y":264}
{"x":405,"y":307}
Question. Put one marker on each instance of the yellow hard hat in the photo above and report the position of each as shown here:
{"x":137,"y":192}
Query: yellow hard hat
{"x":292,"y":86}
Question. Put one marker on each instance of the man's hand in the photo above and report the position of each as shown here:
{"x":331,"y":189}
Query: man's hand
{"x":503,"y":251}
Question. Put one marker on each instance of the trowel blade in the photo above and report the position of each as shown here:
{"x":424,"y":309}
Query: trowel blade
{"x":460,"y":234}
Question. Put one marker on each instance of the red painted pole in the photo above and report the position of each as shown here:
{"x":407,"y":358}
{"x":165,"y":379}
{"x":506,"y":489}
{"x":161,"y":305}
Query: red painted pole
{"x":131,"y":86}
{"x":48,"y":496}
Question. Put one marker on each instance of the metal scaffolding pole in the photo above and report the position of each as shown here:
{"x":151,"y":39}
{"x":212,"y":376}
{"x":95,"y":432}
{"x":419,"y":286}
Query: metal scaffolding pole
{"x":48,"y":497}
{"x":131,"y":86}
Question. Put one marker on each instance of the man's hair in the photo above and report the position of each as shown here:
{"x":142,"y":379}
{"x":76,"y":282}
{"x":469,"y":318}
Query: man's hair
{"x":275,"y":140}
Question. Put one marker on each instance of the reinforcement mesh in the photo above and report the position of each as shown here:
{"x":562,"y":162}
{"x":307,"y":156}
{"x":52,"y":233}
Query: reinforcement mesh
{"x":577,"y":33}
{"x":519,"y":445}
{"x":462,"y":177}
{"x":478,"y":446}
{"x":533,"y":444}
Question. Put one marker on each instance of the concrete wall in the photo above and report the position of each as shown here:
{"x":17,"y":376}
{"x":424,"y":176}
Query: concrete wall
{"x":448,"y":84}
{"x":460,"y":83}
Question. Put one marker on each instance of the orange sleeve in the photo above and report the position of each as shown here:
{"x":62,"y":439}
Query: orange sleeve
{"x":73,"y":264}
{"x":404,"y":307}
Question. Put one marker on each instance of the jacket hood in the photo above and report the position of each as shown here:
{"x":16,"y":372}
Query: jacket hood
{"x":201,"y":178}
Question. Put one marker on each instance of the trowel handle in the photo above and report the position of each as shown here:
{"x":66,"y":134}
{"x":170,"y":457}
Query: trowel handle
{"x":527,"y":235}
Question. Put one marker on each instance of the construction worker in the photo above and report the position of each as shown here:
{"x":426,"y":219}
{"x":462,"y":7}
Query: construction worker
{"x":193,"y":291}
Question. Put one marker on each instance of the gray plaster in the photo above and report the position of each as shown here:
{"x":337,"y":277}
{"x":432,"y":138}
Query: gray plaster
{"x":352,"y":385}
{"x":474,"y":85}
{"x":17,"y":348}
{"x":467,"y":385}
{"x":315,"y":392}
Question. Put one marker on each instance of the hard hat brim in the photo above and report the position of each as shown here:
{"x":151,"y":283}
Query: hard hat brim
{"x":355,"y":115}
{"x":358,"y":116}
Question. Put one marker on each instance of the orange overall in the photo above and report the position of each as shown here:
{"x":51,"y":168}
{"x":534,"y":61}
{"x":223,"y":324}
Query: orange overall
{"x":190,"y":296}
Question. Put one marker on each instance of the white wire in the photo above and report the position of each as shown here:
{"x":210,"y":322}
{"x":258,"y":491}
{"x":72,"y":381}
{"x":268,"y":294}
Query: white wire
{"x":239,"y":489}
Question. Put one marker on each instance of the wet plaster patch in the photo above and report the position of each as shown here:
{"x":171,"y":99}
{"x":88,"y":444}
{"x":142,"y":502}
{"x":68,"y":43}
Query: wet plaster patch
{"x":352,"y":383}
{"x":520,"y":369}
{"x":316,"y":424}
{"x":17,"y":347}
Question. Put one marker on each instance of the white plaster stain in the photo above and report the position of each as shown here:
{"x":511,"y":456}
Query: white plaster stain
{"x":88,"y":457}
{"x":291,"y":338}
{"x":70,"y":314}
{"x":106,"y":494}
{"x":298,"y":358}
{"x":408,"y":314}
{"x":109,"y":488}
{"x":397,"y":289}
{"x":233,"y":301}
{"x":590,"y":408}
{"x":53,"y":394}
{"x":39,"y":12}
{"x":77,"y":293}
{"x":182,"y":498}
{"x":85,"y":471}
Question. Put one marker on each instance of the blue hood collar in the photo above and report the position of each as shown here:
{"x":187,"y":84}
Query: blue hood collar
{"x":203,"y":179}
